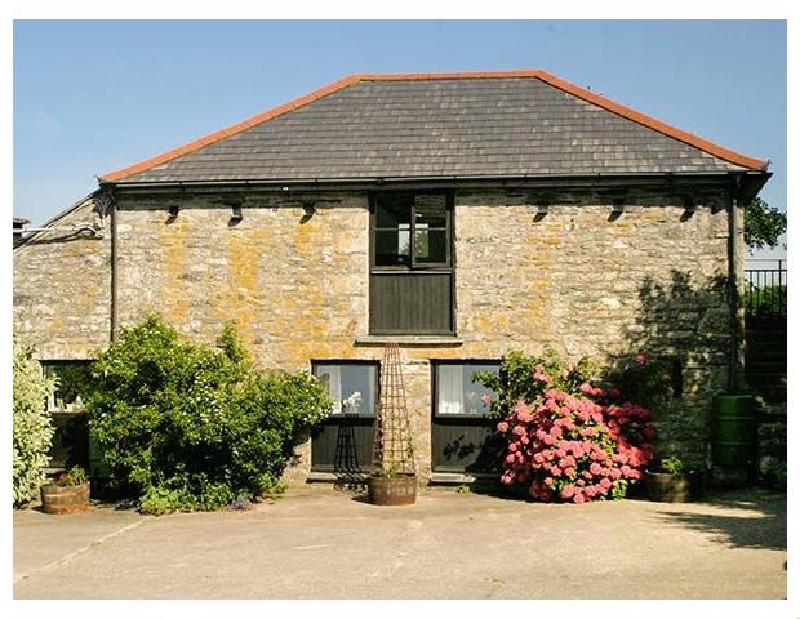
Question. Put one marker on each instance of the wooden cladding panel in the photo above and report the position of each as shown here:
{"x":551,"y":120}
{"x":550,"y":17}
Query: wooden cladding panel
{"x":411,"y":303}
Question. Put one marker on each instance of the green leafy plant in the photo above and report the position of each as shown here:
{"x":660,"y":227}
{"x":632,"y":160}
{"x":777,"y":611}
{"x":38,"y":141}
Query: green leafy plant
{"x":73,"y":477}
{"x":672,"y":465}
{"x":270,"y":486}
{"x":765,"y":301}
{"x":389,"y":472}
{"x":773,"y":473}
{"x":177,"y":419}
{"x":158,"y":501}
{"x":32,"y":427}
{"x":763,"y":224}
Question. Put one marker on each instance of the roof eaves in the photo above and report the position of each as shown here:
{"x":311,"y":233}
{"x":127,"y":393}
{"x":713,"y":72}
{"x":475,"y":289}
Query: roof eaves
{"x":55,"y":219}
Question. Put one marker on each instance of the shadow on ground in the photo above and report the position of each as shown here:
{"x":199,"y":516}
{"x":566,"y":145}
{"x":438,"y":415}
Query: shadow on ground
{"x":761,"y":525}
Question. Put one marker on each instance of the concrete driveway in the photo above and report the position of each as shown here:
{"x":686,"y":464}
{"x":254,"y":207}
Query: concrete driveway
{"x":319,"y":543}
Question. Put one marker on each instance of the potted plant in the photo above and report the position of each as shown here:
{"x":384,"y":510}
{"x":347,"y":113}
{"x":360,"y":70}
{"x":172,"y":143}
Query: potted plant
{"x":390,"y":486}
{"x":68,"y":494}
{"x":672,"y":482}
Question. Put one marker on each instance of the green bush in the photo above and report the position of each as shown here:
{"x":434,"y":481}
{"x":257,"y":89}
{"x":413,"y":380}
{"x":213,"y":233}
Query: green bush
{"x":766,"y":301}
{"x":193,"y":427}
{"x":33,"y":430}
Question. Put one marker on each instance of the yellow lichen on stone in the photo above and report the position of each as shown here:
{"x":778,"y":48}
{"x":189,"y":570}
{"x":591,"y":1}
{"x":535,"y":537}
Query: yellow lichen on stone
{"x":172,"y":245}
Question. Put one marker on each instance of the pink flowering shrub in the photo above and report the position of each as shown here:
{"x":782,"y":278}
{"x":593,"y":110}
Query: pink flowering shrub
{"x":576,"y":441}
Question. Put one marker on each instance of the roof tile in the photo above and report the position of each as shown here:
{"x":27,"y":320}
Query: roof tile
{"x":439,"y":124}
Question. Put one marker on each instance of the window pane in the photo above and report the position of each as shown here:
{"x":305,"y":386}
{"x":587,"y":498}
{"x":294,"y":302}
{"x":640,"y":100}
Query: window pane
{"x":430,"y":246}
{"x":458,"y":395}
{"x":393,"y":210}
{"x":430,"y":210}
{"x":474,"y":392}
{"x":392,"y":248}
{"x":351,"y":386}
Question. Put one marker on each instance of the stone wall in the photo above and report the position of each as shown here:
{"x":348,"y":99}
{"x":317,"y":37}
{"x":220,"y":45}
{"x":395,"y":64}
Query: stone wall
{"x":579,"y":279}
{"x":62,"y":287}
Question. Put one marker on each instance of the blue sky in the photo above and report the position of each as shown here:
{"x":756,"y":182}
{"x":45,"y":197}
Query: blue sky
{"x":94,"y":96}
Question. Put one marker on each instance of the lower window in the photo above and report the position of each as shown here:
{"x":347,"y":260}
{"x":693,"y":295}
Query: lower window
{"x":342,"y":443}
{"x":463,"y":437}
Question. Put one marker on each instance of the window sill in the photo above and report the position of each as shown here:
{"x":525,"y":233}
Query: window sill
{"x":408,"y":340}
{"x":460,"y":478}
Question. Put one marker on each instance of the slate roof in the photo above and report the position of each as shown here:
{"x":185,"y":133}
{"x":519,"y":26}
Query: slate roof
{"x":439,"y":125}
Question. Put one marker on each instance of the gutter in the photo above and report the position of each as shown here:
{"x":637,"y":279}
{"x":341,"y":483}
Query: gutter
{"x":113,"y":299}
{"x":733,"y":284}
{"x":589,"y":180}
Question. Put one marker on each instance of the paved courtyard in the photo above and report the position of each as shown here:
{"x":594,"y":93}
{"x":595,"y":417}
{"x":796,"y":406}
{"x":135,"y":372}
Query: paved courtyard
{"x":319,"y":543}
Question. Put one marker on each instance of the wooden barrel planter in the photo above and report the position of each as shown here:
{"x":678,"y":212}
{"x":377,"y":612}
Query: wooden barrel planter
{"x":674,"y":488}
{"x":61,"y":500}
{"x":400,"y":490}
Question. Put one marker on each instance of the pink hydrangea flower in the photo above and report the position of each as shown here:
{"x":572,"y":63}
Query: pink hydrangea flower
{"x":486,"y":399}
{"x":502,"y":427}
{"x":579,"y":498}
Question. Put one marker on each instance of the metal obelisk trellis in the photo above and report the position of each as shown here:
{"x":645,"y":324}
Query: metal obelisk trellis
{"x":392,"y":451}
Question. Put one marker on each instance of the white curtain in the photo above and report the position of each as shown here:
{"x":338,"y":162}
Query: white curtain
{"x":369,"y":400}
{"x":451,"y":393}
{"x":331,"y":375}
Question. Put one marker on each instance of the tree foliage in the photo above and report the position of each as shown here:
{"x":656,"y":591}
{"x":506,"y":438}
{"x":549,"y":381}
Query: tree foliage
{"x":763,"y":225}
{"x":33,"y":429}
{"x":193,"y":426}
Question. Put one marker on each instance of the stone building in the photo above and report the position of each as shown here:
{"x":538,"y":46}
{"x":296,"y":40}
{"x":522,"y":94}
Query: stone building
{"x":460,"y":215}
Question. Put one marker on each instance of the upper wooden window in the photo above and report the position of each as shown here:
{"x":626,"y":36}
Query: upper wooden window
{"x":411,"y":263}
